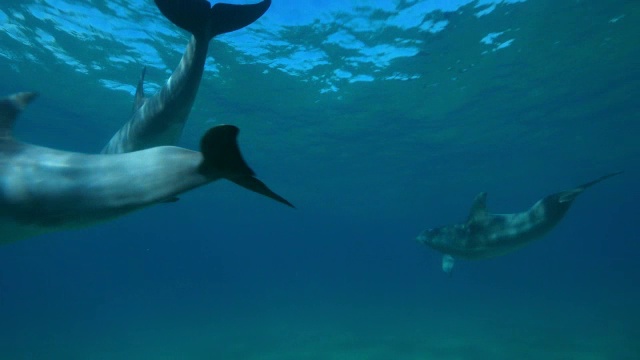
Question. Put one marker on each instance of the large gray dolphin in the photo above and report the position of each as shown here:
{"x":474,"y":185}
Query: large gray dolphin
{"x":486,"y":235}
{"x":44,"y":190}
{"x":159,"y":120}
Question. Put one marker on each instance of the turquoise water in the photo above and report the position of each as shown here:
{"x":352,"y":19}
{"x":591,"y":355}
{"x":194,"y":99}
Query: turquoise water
{"x":377,"y":120}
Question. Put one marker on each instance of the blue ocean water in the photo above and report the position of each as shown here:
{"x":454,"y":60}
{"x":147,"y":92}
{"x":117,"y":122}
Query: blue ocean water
{"x":377,"y":120}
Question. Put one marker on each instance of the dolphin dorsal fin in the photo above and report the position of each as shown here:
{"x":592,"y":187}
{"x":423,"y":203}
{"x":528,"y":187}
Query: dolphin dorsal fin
{"x":140,"y":99}
{"x":478,"y":208}
{"x":10,"y":108}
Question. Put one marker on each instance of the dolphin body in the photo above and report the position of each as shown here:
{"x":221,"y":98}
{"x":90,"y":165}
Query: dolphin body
{"x":159,"y":120}
{"x":486,"y":235}
{"x":44,"y":190}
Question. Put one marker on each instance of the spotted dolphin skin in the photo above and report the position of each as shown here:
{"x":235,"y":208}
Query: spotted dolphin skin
{"x":44,"y":190}
{"x":159,"y":120}
{"x":486,"y":235}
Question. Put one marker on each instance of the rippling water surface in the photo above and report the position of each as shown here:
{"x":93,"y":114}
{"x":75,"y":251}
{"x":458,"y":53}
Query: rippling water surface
{"x":377,"y":119}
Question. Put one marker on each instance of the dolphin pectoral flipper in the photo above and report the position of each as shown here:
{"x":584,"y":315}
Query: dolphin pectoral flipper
{"x":447,"y":264}
{"x":222,"y":157}
{"x":140,"y":99}
{"x":200,"y":19}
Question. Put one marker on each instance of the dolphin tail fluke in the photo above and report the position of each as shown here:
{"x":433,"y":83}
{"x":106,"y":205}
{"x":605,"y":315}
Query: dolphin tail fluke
{"x":222,"y":157}
{"x":571,"y":195}
{"x":199,"y":18}
{"x":10,"y":108}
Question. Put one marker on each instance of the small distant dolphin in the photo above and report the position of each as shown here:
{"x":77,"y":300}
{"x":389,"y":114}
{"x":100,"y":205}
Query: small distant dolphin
{"x":159,"y":120}
{"x":44,"y":190}
{"x":486,"y":235}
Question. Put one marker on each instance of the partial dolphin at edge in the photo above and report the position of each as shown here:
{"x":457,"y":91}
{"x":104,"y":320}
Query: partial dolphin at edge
{"x":45,"y":190}
{"x":160,"y":119}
